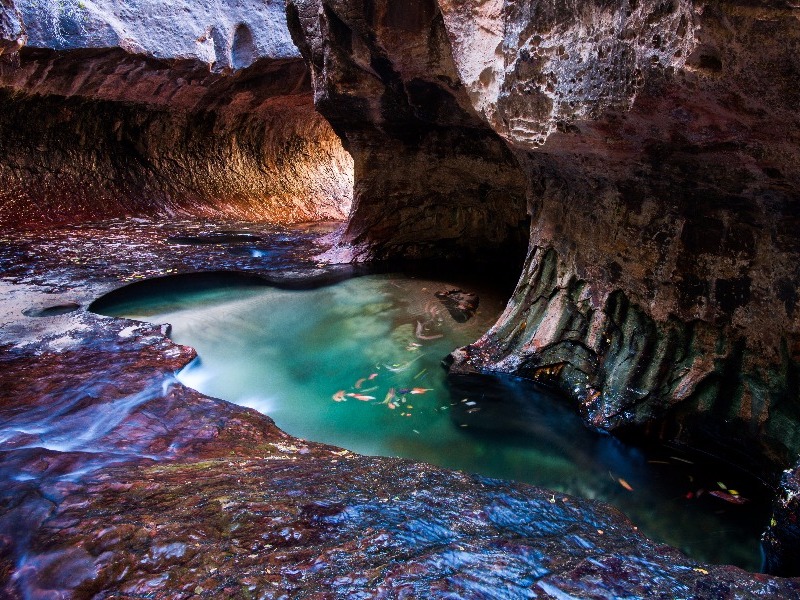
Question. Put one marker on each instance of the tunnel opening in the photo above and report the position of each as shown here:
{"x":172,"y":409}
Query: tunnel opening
{"x":251,"y":147}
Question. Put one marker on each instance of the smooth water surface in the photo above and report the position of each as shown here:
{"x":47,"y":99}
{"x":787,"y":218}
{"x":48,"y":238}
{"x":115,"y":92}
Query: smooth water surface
{"x":357,"y":364}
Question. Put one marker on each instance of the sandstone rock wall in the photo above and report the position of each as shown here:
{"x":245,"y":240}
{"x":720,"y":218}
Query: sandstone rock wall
{"x":153,"y":108}
{"x":665,"y":191}
{"x":228,"y":34}
{"x":432,"y":178}
{"x":658,"y":141}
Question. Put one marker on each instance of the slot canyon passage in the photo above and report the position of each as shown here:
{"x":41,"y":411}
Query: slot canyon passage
{"x":613,"y":186}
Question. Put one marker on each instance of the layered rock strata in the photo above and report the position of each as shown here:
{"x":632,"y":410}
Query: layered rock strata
{"x":111,"y":110}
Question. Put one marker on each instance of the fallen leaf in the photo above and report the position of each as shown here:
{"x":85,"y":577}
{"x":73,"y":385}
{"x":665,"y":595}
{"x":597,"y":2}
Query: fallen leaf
{"x":730,"y":498}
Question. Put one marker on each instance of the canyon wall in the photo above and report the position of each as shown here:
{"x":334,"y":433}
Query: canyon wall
{"x":659,"y":145}
{"x":432,"y":178}
{"x":154,"y":108}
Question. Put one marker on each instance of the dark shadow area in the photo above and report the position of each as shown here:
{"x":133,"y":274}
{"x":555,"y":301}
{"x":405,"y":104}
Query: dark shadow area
{"x":219,"y":237}
{"x":680,"y":485}
{"x":52,"y":311}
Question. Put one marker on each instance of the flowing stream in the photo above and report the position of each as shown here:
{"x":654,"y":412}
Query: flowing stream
{"x":357,"y":364}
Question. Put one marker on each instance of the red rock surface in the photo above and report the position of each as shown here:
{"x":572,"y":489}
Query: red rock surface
{"x":134,"y":486}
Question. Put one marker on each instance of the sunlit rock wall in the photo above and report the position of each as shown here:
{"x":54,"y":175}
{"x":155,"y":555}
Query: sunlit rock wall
{"x":161,"y":108}
{"x":431,"y":177}
{"x":659,"y":144}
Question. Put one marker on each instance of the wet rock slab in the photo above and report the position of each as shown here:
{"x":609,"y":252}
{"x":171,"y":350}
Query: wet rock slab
{"x":117,"y":481}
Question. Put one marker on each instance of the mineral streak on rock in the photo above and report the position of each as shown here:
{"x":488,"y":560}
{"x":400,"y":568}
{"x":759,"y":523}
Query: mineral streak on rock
{"x":164,"y":108}
{"x":432,"y":179}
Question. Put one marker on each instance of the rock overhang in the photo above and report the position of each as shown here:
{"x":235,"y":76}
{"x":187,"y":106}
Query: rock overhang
{"x":231,"y":36}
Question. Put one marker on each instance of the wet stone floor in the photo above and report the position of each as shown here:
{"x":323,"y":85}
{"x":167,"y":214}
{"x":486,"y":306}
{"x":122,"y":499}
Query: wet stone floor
{"x":117,"y":480}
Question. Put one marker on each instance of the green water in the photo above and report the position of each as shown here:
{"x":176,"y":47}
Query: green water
{"x":356,"y":364}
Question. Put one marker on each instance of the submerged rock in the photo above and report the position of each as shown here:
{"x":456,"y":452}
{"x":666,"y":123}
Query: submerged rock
{"x":460,"y":304}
